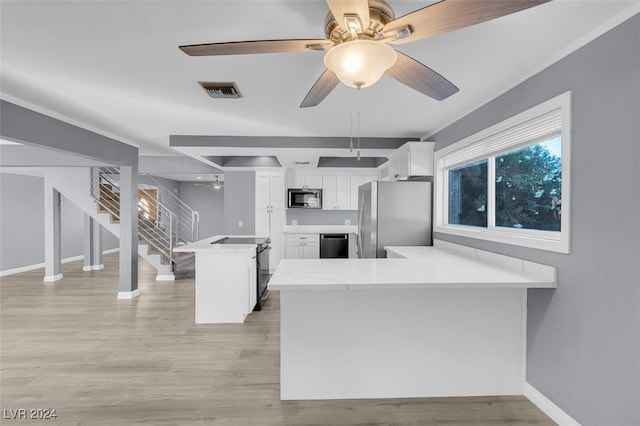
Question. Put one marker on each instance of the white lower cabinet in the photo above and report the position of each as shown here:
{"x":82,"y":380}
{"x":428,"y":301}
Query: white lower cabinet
{"x":253,"y":278}
{"x":303,"y":246}
{"x":225,"y":285}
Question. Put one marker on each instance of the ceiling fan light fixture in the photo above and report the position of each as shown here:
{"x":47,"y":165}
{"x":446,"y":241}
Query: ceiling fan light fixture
{"x":217,"y":184}
{"x":360,"y":63}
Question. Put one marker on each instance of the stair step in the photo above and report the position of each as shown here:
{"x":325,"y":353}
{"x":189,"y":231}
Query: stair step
{"x":181,"y":275}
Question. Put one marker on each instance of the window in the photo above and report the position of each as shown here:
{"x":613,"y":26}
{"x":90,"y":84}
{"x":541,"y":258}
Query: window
{"x":468,"y":194}
{"x":510,"y":183}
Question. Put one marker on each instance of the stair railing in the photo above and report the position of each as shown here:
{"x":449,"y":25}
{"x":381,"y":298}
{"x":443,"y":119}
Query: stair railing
{"x":188,"y":220}
{"x":158,"y":226}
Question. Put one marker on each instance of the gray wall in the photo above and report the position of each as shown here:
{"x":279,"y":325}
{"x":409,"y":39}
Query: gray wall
{"x":583,"y":337}
{"x":209,"y":203}
{"x":239,"y":203}
{"x":22,"y":223}
{"x":321,"y":217}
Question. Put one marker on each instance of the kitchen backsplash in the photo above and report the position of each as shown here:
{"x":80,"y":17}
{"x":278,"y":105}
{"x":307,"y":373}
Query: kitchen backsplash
{"x":321,"y":217}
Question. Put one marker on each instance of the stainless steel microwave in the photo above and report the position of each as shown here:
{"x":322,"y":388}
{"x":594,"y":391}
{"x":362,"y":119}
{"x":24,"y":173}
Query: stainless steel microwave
{"x":305,"y":198}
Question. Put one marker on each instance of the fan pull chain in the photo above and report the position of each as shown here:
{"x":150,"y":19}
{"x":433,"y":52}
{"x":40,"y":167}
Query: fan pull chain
{"x":351,"y":121}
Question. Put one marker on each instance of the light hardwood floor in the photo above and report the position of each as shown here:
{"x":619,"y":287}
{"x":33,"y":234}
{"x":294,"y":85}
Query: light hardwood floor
{"x":72,"y":346}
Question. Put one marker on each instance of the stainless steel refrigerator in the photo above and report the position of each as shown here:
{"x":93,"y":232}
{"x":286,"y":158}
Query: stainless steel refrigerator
{"x":393,"y":214}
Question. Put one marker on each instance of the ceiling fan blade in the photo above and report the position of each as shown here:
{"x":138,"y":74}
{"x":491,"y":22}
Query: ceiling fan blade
{"x":339,"y":8}
{"x":256,"y":46}
{"x":421,"y":78}
{"x":322,"y":87}
{"x":450,"y":15}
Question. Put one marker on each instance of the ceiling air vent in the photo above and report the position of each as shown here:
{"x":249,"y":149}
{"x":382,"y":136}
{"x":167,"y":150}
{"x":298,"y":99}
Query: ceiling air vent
{"x":221,"y":90}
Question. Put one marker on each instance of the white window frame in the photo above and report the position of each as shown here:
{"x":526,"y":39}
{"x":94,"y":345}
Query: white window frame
{"x":481,"y":146}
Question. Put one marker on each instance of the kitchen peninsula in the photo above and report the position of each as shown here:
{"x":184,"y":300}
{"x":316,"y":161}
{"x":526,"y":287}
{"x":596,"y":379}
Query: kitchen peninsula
{"x":449,"y":321}
{"x":225,"y":280}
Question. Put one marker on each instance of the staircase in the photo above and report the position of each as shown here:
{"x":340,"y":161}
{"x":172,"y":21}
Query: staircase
{"x":164,"y":221}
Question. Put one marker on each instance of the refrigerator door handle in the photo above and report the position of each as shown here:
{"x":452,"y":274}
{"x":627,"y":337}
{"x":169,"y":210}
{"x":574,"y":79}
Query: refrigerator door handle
{"x":360,"y":236}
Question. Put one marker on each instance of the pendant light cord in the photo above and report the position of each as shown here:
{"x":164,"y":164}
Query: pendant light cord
{"x":358,"y":100}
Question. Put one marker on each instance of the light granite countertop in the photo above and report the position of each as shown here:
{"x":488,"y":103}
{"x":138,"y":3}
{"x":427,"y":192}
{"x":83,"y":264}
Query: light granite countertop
{"x":206,"y":245}
{"x":446,"y":266}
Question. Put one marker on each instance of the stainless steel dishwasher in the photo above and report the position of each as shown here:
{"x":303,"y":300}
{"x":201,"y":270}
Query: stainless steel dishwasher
{"x":334,"y":246}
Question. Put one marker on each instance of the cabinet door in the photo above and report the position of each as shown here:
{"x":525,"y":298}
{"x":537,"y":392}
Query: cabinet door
{"x":263,"y":219}
{"x":277,"y":238}
{"x":293,"y":249}
{"x":329,"y":187}
{"x":311,"y":249}
{"x":313,"y":182}
{"x":277,"y":191}
{"x":343,"y":192}
{"x":296,"y":181}
{"x":403,"y":165}
{"x":263,"y":191}
{"x":253,"y":277}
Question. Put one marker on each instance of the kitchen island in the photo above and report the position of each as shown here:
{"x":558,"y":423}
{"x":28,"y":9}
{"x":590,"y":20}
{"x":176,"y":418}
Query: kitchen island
{"x":225,"y":280}
{"x":450,"y":322}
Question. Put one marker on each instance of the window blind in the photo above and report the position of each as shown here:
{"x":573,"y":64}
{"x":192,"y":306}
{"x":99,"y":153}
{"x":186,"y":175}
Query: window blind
{"x":532,"y":130}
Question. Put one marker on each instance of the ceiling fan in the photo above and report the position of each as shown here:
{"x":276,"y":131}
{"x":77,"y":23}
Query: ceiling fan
{"x":213,"y":185}
{"x":358,"y":38}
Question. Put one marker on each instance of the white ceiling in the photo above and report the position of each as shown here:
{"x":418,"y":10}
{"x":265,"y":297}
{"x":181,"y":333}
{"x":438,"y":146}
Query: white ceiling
{"x":115,"y":67}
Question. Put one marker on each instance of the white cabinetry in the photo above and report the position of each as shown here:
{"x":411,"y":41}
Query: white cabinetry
{"x":356,"y":181}
{"x":253,"y":278}
{"x":270,"y":213}
{"x":225,"y":285}
{"x":336,"y":192}
{"x":303,"y":246}
{"x":411,"y":159}
{"x":304,"y":182}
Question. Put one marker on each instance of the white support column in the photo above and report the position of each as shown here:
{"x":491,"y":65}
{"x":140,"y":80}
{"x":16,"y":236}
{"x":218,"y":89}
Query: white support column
{"x":96,"y":249}
{"x":88,"y":243}
{"x":52,"y":234}
{"x":92,"y":244}
{"x":128,"y":232}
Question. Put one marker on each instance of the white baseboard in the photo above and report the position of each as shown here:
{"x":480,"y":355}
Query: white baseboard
{"x":72,"y":259}
{"x":128,"y":294}
{"x":92,"y":268}
{"x":28,"y":268}
{"x":52,"y":278}
{"x":556,"y":413}
{"x":168,"y":277}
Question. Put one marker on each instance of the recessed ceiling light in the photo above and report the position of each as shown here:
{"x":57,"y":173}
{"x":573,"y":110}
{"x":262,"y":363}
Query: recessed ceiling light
{"x":199,"y":177}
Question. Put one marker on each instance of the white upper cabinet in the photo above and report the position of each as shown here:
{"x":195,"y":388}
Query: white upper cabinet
{"x":304,"y":182}
{"x":263,"y":191}
{"x":336,"y":193}
{"x":411,"y":159}
{"x":270,"y":192}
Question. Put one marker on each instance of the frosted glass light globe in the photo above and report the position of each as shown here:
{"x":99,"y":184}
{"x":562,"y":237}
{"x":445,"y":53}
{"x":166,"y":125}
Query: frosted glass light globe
{"x":360,"y":63}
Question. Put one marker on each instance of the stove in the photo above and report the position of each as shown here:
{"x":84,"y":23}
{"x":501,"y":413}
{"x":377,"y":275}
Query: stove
{"x":262,"y":263}
{"x":260,"y":242}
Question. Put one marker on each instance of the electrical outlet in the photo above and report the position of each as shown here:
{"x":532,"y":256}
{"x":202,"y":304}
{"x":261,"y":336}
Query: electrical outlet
{"x":347,"y":221}
{"x":240,"y":224}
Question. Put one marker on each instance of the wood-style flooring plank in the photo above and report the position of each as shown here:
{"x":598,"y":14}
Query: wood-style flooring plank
{"x":72,"y":346}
